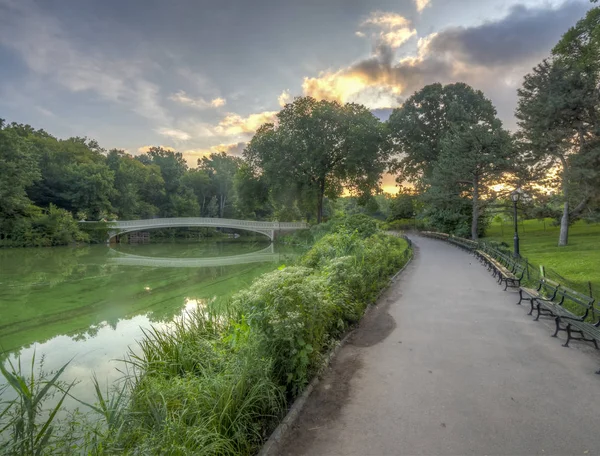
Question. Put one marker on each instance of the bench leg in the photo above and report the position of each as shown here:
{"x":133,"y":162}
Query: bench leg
{"x":557,"y":321}
{"x":539,"y":312}
{"x":520,"y":297}
{"x":566,"y":344}
{"x":506,"y":286}
{"x":532,"y":306}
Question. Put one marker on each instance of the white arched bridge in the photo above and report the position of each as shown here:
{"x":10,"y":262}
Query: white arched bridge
{"x":269,"y":229}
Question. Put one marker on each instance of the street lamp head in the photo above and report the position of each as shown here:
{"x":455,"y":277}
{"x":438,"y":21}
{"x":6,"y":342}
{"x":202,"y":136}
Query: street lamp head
{"x":514,"y":196}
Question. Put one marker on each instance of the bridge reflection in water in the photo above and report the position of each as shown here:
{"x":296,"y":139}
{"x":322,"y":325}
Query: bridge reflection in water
{"x":262,"y":256}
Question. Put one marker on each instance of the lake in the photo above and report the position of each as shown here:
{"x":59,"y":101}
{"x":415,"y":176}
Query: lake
{"x":90,"y":304}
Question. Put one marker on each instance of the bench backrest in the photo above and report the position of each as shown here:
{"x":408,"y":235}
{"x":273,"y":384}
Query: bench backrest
{"x":549,"y":288}
{"x":576,"y":302}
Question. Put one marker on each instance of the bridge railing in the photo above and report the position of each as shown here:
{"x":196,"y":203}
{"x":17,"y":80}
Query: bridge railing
{"x":207,"y":221}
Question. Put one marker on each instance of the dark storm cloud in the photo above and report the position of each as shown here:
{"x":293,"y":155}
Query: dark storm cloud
{"x":523,"y":33}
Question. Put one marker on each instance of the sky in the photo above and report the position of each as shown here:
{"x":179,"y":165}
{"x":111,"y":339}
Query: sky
{"x":201,"y":76}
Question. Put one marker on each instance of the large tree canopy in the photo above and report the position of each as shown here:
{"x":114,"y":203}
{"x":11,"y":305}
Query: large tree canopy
{"x":452,"y":147}
{"x":419,"y":127}
{"x":318,"y":148}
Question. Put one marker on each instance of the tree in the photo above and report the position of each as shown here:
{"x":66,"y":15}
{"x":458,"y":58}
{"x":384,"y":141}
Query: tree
{"x":472,"y":160}
{"x":318,"y":148}
{"x":172,"y":167}
{"x":19,"y":171}
{"x":139,"y":188}
{"x":558,"y":113}
{"x":198,"y":181}
{"x":251,"y":194}
{"x":402,"y":206}
{"x":419,"y":127}
{"x":221,"y":169}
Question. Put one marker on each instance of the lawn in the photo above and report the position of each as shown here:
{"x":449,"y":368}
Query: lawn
{"x":579,"y":261}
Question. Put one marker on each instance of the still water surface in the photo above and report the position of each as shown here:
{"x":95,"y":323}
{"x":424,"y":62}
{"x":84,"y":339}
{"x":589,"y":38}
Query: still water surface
{"x":90,"y":304}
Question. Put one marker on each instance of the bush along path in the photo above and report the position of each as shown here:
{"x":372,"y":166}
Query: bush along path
{"x":219,"y":382}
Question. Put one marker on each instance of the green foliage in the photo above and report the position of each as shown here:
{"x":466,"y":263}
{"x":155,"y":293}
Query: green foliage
{"x":420,"y":126}
{"x":402,"y":206}
{"x":317,"y":149}
{"x":27,"y":427}
{"x":471,"y":162}
{"x":221,"y":170}
{"x":558,"y":115}
{"x":45,"y":228}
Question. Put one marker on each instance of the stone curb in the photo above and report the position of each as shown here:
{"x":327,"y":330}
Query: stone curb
{"x":271,"y":446}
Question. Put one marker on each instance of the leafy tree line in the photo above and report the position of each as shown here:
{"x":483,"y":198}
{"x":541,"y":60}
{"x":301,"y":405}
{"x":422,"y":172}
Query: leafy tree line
{"x":48,"y":184}
{"x":456,"y":156}
{"x":317,"y":150}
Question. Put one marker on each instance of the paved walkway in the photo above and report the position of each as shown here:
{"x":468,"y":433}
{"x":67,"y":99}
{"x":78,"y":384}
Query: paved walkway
{"x":449,"y":365}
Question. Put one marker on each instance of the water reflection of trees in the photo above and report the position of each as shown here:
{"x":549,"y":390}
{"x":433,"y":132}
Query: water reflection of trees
{"x":106,"y":294}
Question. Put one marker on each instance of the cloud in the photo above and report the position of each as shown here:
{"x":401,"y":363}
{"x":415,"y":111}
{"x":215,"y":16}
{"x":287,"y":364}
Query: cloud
{"x":392,"y":29}
{"x":493,"y":57}
{"x":284,"y":98}
{"x":422,"y":4}
{"x":45,"y":111}
{"x":234,"y":124}
{"x":217,"y":102}
{"x":178,"y":135}
{"x":198,"y":103}
{"x":44,"y":44}
{"x":145,"y":149}
{"x":192,"y":155}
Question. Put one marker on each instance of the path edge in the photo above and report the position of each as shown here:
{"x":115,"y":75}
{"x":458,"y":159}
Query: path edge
{"x":271,"y":446}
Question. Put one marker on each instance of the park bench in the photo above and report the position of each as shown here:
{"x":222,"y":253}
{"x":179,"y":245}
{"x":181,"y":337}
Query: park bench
{"x":440,"y":236}
{"x":581,"y":318}
{"x":566,"y":306}
{"x":546,"y":290}
{"x":465,"y":244}
{"x":505,"y":268}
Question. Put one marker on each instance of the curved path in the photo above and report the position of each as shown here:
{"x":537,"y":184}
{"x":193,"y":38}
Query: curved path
{"x":447,"y":364}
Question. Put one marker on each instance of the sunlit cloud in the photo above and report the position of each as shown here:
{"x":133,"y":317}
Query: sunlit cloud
{"x":193,"y":155}
{"x":145,"y":149}
{"x":218,"y":102}
{"x":392,"y":29}
{"x":422,"y":4}
{"x":284,"y":98}
{"x":199,"y":103}
{"x":492,"y":57}
{"x":234,"y":124}
{"x":173,"y":133}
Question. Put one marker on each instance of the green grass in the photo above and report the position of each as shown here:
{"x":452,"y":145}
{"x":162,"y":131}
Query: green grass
{"x":579,"y":262}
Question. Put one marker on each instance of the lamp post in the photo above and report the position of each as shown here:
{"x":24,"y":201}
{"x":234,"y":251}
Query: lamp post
{"x":514,"y":196}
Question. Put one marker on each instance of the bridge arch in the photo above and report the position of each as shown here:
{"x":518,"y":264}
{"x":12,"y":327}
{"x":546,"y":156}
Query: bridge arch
{"x":269,"y":229}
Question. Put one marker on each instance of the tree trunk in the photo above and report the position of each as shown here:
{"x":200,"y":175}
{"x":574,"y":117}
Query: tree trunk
{"x":223,"y":198}
{"x":320,"y":194}
{"x":475,"y":219}
{"x":563,"y":237}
